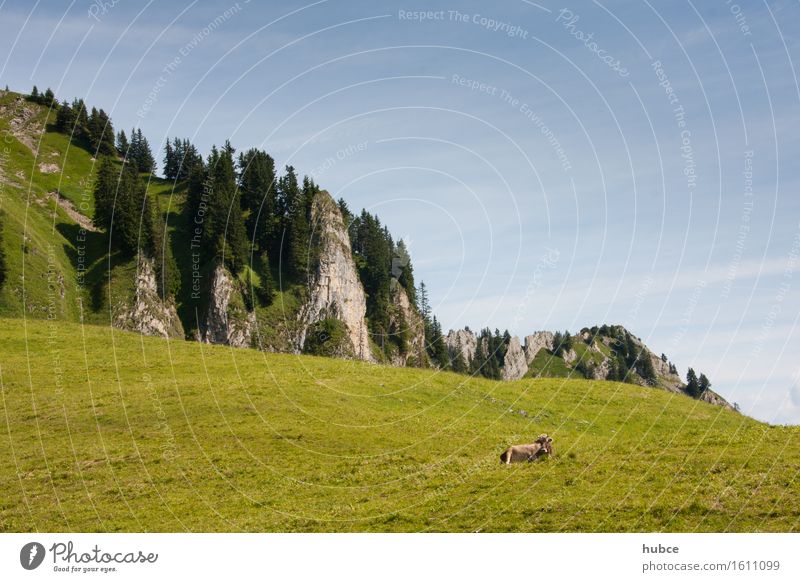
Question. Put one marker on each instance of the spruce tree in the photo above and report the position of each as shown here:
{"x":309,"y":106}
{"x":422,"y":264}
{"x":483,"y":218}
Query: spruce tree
{"x":188,"y":157}
{"x":403,"y":270}
{"x":295,"y":231}
{"x":703,"y":384}
{"x":458,"y":364}
{"x":101,"y":133}
{"x":258,"y":188}
{"x":65,"y":118}
{"x":646,"y":370}
{"x":224,"y":225}
{"x":122,"y":144}
{"x":170,"y":162}
{"x":160,"y":249}
{"x":373,"y":250}
{"x":133,"y":219}
{"x":143,"y":154}
{"x":105,"y":189}
{"x":80,"y":130}
{"x":692,"y":384}
{"x":424,"y":303}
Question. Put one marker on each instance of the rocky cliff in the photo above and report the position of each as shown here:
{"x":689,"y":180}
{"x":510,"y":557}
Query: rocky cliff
{"x":227,"y":320}
{"x":147,"y":313}
{"x":406,"y":322}
{"x":462,"y":342}
{"x":597,"y":353}
{"x":334,"y":290}
{"x":540,"y":340}
{"x":514,"y":364}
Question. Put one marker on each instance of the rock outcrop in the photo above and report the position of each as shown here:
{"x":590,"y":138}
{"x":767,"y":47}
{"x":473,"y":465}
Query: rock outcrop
{"x":335,"y":290}
{"x":569,"y":356}
{"x":515,"y":365}
{"x":596,"y":347}
{"x":148,"y":313}
{"x":713,"y":398}
{"x":406,"y":321}
{"x":463,"y":342}
{"x":535,"y":342}
{"x":227,"y":319}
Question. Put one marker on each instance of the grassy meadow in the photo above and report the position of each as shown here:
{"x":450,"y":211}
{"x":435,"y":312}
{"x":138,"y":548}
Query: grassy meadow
{"x":103,"y":430}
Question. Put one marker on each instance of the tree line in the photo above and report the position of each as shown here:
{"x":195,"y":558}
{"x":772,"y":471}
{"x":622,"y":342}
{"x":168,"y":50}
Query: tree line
{"x":240,"y":212}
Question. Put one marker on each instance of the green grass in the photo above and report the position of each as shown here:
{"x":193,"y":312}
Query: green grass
{"x":546,"y":365}
{"x":44,"y":246}
{"x":110,"y":431}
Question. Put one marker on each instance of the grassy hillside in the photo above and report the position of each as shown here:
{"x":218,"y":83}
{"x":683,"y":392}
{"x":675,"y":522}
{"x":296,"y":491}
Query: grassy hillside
{"x":58,"y":269}
{"x":112,"y":431}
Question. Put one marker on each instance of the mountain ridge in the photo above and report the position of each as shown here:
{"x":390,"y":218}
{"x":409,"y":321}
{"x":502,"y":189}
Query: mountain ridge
{"x":325,"y":310}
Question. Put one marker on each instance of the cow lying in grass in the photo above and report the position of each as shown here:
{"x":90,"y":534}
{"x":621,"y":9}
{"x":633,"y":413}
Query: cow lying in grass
{"x":519,"y":453}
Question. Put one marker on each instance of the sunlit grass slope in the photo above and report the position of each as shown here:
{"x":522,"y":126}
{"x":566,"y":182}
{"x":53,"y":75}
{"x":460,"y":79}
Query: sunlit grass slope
{"x":109,"y":431}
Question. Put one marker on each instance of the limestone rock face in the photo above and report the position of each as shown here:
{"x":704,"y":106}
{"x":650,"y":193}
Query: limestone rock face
{"x":667,"y":380}
{"x":601,"y":370}
{"x":535,"y":342}
{"x":713,"y":398}
{"x":406,"y":320}
{"x":569,"y":356}
{"x":148,"y":314}
{"x":335,"y":289}
{"x":462,"y":342}
{"x":514,"y":363}
{"x":227,"y":320}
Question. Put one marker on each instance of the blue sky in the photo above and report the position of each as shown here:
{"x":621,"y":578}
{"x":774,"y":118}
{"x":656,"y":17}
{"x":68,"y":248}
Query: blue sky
{"x":551,"y":165}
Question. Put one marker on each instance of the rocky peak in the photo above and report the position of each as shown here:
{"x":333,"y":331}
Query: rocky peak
{"x":535,"y":342}
{"x":227,"y":319}
{"x":148,"y":313}
{"x":335,"y":290}
{"x":464,"y":342}
{"x":515,"y":365}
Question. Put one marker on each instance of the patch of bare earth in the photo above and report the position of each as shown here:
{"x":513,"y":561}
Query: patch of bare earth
{"x":81,"y":219}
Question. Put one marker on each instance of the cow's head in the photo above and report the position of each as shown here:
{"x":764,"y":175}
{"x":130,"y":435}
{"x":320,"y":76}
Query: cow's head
{"x":546,"y":442}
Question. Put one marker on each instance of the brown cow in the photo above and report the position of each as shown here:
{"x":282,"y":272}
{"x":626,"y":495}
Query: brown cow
{"x":532,"y":452}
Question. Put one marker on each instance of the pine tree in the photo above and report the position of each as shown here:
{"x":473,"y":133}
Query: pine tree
{"x":170,"y":162}
{"x":224,"y":225}
{"x":123,"y":146}
{"x":646,"y":370}
{"x":105,"y":190}
{"x":80,"y":129}
{"x":458,"y":363}
{"x":132,"y":213}
{"x":65,"y":118}
{"x":436,"y":346}
{"x":424,"y":303}
{"x":703,"y":385}
{"x":293,"y":206}
{"x":403,"y":270}
{"x":34,"y":94}
{"x":258,"y":188}
{"x":373,"y":254}
{"x":49,"y":98}
{"x":160,"y":249}
{"x":692,"y":384}
{"x":101,"y":133}
{"x":187,"y":156}
{"x":122,"y":208}
{"x":142,"y":154}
